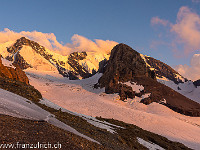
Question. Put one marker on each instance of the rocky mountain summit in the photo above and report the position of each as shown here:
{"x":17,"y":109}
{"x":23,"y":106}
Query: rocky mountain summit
{"x":78,"y":65}
{"x":126,"y":70}
{"x":124,"y":64}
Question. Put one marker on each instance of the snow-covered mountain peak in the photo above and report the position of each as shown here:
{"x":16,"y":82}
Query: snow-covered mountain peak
{"x":30,"y":54}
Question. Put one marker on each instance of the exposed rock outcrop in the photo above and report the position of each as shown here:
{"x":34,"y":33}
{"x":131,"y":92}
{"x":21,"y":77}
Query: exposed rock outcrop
{"x":13,"y":79}
{"x":78,"y":69}
{"x":13,"y":73}
{"x":19,"y":60}
{"x":197,"y":83}
{"x":102,"y":65}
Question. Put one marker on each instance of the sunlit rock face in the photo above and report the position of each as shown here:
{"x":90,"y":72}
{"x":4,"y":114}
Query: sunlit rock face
{"x":14,"y":73}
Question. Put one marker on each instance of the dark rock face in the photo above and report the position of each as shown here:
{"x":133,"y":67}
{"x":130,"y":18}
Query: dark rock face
{"x":197,"y":83}
{"x":163,"y":70}
{"x":78,"y":69}
{"x":102,"y":65}
{"x":14,"y":74}
{"x":19,"y":60}
{"x":126,"y":65}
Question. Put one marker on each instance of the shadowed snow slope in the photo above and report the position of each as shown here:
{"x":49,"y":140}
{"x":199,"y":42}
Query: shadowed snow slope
{"x":187,"y":89}
{"x":80,"y":96}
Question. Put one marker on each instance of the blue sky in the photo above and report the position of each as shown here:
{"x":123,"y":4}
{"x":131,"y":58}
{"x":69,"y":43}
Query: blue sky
{"x":123,"y":21}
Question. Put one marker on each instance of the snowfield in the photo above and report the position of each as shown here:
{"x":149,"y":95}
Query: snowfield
{"x":79,"y":96}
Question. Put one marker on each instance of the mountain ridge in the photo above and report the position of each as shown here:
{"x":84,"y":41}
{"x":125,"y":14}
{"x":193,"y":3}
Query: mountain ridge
{"x":75,"y":65}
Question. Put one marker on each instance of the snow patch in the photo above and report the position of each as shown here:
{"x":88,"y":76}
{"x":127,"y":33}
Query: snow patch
{"x":149,"y":145}
{"x":7,"y":63}
{"x":3,"y":48}
{"x":92,"y":61}
{"x":134,"y":86}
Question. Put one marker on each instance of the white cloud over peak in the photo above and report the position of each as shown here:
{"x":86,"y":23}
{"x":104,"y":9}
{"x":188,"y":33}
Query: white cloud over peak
{"x":81,"y":43}
{"x":48,"y":40}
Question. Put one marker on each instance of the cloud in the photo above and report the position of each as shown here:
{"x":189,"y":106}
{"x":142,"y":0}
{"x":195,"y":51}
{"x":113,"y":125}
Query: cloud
{"x":184,"y":39}
{"x":8,"y":35}
{"x":80,"y":43}
{"x":187,"y":30}
{"x":191,"y":72}
{"x":195,"y":1}
{"x":158,"y":21}
{"x":48,"y":40}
